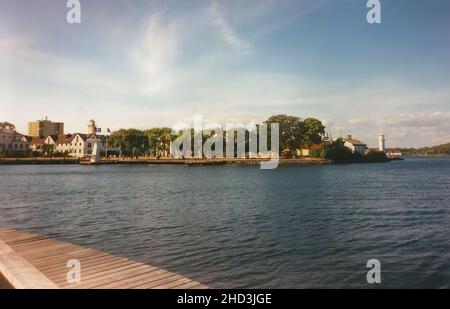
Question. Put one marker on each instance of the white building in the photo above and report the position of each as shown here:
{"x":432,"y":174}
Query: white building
{"x":355,"y":145}
{"x":76,"y":145}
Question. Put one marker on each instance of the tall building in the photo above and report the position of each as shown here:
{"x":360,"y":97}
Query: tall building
{"x":45,"y":127}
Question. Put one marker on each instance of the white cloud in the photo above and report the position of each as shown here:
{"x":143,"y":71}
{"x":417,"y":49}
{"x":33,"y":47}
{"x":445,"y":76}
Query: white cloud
{"x":19,"y":57}
{"x":156,"y":55}
{"x":401,"y":130}
{"x":226,"y":32}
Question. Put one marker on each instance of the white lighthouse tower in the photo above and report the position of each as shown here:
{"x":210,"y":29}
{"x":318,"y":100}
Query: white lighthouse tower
{"x":381,"y":142}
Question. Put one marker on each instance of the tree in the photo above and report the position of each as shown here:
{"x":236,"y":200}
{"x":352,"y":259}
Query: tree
{"x":373,"y":156}
{"x":313,"y":131}
{"x":8,"y":126}
{"x":115,"y":140}
{"x":47,"y":150}
{"x":3,"y":152}
{"x":159,"y":140}
{"x":336,"y":151}
{"x":291,"y":132}
{"x":135,"y":140}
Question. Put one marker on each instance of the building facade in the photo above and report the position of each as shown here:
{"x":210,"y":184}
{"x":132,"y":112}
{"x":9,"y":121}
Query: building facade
{"x":355,"y":145}
{"x":76,"y":145}
{"x":12,"y":142}
{"x":45,"y":127}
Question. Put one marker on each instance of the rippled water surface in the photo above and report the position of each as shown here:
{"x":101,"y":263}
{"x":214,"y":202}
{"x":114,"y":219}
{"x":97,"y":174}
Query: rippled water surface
{"x":242,"y":227}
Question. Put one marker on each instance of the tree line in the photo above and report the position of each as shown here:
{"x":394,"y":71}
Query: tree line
{"x":294,"y":133}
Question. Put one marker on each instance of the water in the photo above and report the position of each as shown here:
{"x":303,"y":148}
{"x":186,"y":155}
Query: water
{"x":242,"y":227}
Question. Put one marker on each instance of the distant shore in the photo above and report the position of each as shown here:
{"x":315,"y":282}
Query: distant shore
{"x":187,"y":162}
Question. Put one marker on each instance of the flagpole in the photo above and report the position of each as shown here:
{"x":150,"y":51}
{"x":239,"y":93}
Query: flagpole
{"x":106,"y":146}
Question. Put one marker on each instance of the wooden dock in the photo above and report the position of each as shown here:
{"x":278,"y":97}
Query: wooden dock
{"x":34,"y":261}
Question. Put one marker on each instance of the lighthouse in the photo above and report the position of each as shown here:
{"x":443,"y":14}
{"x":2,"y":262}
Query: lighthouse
{"x":92,"y":128}
{"x":381,"y":142}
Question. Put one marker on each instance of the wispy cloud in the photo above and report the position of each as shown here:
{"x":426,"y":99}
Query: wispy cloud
{"x":19,"y":56}
{"x":226,"y":32}
{"x":157,"y":53}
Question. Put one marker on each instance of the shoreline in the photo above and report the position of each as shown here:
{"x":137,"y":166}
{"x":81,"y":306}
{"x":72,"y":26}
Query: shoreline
{"x":164,"y":161}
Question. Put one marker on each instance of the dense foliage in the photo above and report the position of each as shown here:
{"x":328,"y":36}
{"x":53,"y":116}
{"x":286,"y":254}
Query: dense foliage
{"x":336,"y":151}
{"x":375,"y":156}
{"x":296,"y":134}
{"x":443,"y":150}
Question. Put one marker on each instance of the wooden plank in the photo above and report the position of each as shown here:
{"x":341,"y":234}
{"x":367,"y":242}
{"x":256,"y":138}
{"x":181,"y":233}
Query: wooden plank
{"x":127,"y":279}
{"x":102,"y":275}
{"x":95,"y":271}
{"x":92,"y":261}
{"x":19,"y":272}
{"x":66,"y":255}
{"x":118,"y":277}
{"x":44,"y":262}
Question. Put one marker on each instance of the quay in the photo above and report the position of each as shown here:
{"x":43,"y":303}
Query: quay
{"x":162,"y":161}
{"x":31,"y":261}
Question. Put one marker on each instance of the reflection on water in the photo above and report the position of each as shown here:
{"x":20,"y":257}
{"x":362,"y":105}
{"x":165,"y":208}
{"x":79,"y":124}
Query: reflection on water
{"x":242,"y":227}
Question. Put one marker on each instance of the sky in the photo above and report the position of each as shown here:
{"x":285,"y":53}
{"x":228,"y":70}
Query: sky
{"x":147,"y":63}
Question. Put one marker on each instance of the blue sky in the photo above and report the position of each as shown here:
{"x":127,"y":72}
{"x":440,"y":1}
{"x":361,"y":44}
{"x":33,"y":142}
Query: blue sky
{"x":151,"y":63}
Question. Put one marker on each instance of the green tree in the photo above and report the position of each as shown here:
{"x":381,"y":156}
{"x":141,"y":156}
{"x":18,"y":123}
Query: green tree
{"x":291,"y":132}
{"x":313,"y":132}
{"x":115,"y":140}
{"x":159,"y":140}
{"x":47,"y":150}
{"x":135,"y":141}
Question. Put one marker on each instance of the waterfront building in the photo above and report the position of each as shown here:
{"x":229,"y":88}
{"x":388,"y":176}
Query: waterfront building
{"x":355,"y":145}
{"x":34,"y":142}
{"x":45,"y":127}
{"x":76,"y":145}
{"x":6,"y":138}
{"x":12,"y":141}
